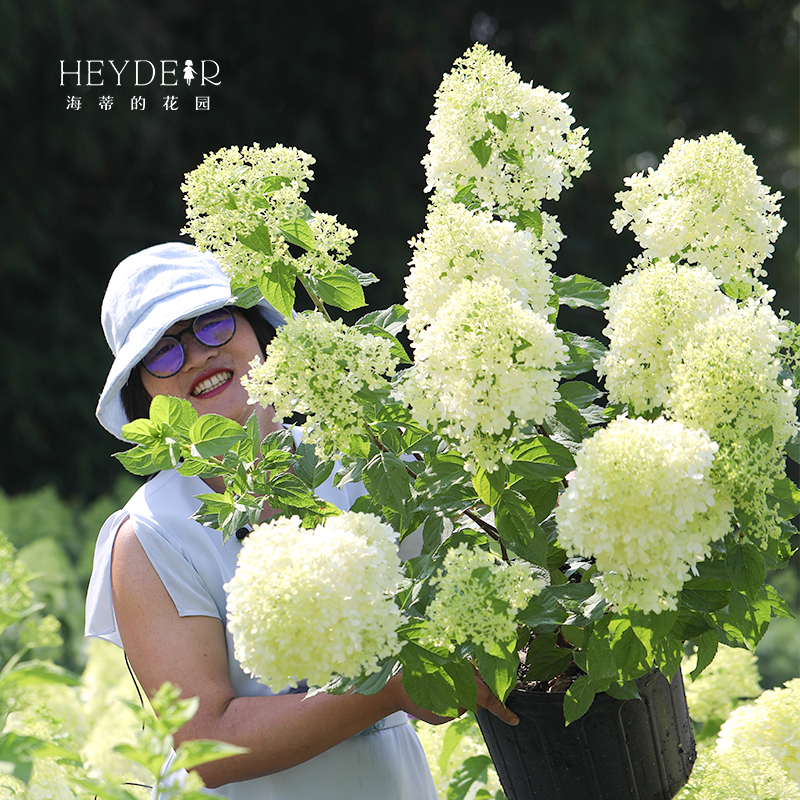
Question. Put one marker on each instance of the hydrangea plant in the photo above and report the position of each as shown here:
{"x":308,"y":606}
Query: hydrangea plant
{"x":575,"y":533}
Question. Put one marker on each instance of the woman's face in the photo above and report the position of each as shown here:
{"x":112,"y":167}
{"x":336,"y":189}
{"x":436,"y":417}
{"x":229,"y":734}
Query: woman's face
{"x":210,"y":378}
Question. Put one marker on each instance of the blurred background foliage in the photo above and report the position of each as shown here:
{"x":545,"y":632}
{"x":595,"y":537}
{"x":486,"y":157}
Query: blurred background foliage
{"x":352,"y":83}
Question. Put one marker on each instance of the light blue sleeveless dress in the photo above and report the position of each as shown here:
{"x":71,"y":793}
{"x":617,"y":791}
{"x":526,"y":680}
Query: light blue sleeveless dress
{"x":386,"y":761}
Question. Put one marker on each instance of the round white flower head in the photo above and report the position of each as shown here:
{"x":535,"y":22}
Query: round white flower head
{"x":705,"y":204}
{"x":651,"y":313}
{"x":477,"y":598}
{"x":727,"y":383}
{"x":311,"y":604}
{"x":316,"y":367}
{"x":728,"y":679}
{"x":512,"y":142}
{"x":241,"y":204}
{"x":461,"y":245}
{"x":641,"y":503}
{"x":741,"y":772}
{"x":485,"y":365}
{"x":771,"y":722}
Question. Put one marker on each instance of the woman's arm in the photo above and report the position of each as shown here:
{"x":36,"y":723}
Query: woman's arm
{"x":280,"y":731}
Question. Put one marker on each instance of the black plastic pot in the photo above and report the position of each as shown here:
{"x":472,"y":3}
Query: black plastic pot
{"x":638,"y":749}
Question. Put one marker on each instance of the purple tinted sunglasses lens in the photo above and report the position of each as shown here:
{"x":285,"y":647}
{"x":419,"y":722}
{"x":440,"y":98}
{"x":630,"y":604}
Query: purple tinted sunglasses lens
{"x":212,"y":330}
{"x":165,"y":359}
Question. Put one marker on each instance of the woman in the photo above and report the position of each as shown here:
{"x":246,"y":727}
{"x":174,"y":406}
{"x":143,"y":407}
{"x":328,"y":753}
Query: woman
{"x":156,"y":586}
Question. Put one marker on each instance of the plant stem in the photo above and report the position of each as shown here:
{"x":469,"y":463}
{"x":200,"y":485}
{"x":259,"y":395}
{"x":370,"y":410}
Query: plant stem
{"x":315,"y":299}
{"x":490,"y":531}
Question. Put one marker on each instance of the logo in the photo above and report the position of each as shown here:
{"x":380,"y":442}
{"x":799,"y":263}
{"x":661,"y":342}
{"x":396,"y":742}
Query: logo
{"x":98,"y":72}
{"x":137,"y":75}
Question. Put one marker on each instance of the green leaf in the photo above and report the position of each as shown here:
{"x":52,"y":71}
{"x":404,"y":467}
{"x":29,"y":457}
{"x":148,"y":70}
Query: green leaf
{"x":529,"y":220}
{"x":427,"y":684}
{"x":578,"y":290}
{"x":498,"y":666}
{"x":309,"y":468}
{"x":142,"y":431}
{"x":568,"y":422}
{"x":194,"y":752}
{"x":499,"y":120}
{"x":785,"y":498}
{"x":630,"y":655}
{"x":584,"y":352}
{"x":482,"y":150}
{"x":298,"y":231}
{"x":579,"y":393}
{"x":544,"y":660}
{"x":793,"y":448}
{"x":746,"y":567}
{"x":541,"y":458}
{"x":245,"y":295}
{"x":453,"y":736}
{"x":258,"y":240}
{"x":138,"y":460}
{"x":174,"y":413}
{"x":490,"y":485}
{"x":214,"y":435}
{"x":277,"y":286}
{"x":707,"y":646}
{"x":578,"y":699}
{"x":387,"y":480}
{"x":37,"y":673}
{"x":473,"y":770}
{"x":517,"y":527}
{"x":340,"y":289}
{"x":512,"y":157}
{"x":392,"y":319}
{"x":750,"y":616}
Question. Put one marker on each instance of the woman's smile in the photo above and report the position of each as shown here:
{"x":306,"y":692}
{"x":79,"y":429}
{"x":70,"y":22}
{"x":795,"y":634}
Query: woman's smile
{"x":210,"y":385}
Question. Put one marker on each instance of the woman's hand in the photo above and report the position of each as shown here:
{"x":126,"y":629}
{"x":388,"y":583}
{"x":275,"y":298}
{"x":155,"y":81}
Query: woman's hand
{"x":486,"y":699}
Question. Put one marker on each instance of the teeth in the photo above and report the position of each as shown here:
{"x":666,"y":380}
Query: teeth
{"x":212,"y":383}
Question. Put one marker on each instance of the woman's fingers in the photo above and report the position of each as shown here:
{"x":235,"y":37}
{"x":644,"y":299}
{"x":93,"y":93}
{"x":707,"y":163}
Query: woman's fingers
{"x":487,"y":700}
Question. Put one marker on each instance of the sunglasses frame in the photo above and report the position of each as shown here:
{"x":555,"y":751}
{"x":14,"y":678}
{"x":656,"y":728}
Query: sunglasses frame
{"x":178,"y":336}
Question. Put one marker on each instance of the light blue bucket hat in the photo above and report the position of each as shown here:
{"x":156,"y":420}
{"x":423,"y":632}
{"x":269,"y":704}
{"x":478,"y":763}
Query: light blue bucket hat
{"x":148,"y":292}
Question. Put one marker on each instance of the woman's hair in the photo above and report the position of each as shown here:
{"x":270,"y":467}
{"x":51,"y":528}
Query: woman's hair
{"x":135,"y":399}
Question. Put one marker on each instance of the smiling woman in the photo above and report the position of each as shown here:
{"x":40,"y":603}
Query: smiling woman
{"x":159,"y":577}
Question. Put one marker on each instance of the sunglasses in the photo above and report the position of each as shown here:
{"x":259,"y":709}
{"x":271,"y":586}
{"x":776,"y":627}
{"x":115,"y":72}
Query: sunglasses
{"x":168,"y":355}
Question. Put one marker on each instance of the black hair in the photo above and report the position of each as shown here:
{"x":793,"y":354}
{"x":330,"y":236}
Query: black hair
{"x":135,"y":399}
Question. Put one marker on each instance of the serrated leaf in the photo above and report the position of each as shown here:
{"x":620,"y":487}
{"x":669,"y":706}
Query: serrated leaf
{"x":707,"y":646}
{"x":277,"y":286}
{"x":578,"y":699}
{"x":529,"y":220}
{"x":309,"y":468}
{"x":340,"y":289}
{"x":490,"y":485}
{"x":579,"y":393}
{"x":517,"y":527}
{"x":583,"y":354}
{"x":387,"y":480}
{"x":784,"y":497}
{"x":482,"y":150}
{"x":174,"y":413}
{"x":512,"y":157}
{"x":576,"y":291}
{"x":194,"y":752}
{"x":498,"y":667}
{"x":544,"y":660}
{"x":392,"y":319}
{"x":746,"y":568}
{"x":541,"y":458}
{"x":258,"y":239}
{"x":499,"y":120}
{"x":472,"y":770}
{"x":298,"y":231}
{"x":214,"y":435}
{"x":138,"y":460}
